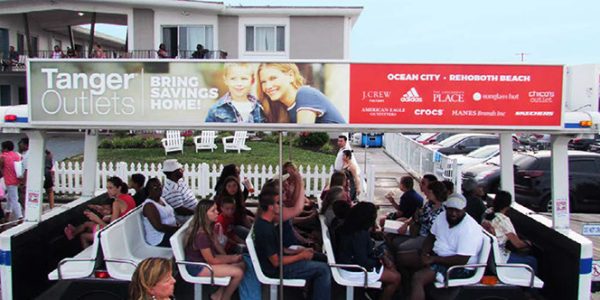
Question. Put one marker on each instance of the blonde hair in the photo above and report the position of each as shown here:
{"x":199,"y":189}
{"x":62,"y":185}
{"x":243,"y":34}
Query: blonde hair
{"x":275,"y":111}
{"x":147,"y":274}
{"x":199,"y":222}
{"x":228,"y":66}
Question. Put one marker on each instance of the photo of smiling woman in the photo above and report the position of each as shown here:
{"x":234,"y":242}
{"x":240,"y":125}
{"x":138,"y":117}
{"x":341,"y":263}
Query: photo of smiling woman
{"x":285,"y":98}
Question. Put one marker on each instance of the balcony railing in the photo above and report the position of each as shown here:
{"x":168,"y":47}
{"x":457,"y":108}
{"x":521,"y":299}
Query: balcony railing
{"x":8,"y":65}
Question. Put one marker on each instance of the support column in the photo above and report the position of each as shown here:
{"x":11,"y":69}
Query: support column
{"x":27,"y":35}
{"x":71,"y":38}
{"x":90,"y":161}
{"x":92,"y":33}
{"x":507,"y":176}
{"x":35,"y":176}
{"x":560,"y":184}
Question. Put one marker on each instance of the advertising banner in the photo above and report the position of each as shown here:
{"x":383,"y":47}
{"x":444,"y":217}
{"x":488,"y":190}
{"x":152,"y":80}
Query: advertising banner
{"x":339,"y":95}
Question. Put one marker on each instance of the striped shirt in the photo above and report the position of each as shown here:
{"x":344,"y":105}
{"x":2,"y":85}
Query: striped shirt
{"x":178,"y":194}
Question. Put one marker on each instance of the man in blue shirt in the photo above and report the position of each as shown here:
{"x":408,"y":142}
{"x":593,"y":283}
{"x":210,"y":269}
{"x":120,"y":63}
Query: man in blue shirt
{"x":297,"y":264}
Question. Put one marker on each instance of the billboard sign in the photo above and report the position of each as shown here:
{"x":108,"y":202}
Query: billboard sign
{"x":196,"y":93}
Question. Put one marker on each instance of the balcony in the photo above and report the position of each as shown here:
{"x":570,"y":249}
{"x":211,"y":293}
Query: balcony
{"x":19,"y":66}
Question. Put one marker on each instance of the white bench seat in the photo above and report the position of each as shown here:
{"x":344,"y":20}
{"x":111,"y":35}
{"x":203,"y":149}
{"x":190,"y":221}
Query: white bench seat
{"x":482,"y":263}
{"x":178,"y":246}
{"x":514,"y":274}
{"x":124,"y":246}
{"x":79,"y":266}
{"x":335,"y":268}
{"x":272,"y":282}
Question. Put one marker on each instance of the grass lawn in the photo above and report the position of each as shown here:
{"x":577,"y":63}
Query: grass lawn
{"x":262,"y":153}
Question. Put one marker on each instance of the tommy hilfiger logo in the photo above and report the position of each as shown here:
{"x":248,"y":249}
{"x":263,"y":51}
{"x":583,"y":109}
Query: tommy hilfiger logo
{"x":411,"y":96}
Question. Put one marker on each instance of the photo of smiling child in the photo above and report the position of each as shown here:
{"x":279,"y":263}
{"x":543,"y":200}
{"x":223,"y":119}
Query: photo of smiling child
{"x":237,"y":105}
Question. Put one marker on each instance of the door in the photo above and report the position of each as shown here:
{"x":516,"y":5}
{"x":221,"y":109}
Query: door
{"x":4,"y":42}
{"x":170,"y":39}
{"x":5,"y":95}
{"x":584,"y":180}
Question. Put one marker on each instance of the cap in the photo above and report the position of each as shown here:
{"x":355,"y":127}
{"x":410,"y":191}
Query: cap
{"x":171,"y":165}
{"x":456,"y":201}
{"x":469,"y":185}
{"x":284,"y":177}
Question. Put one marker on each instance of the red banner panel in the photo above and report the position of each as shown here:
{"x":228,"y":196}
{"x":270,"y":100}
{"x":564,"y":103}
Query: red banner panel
{"x":484,"y":95}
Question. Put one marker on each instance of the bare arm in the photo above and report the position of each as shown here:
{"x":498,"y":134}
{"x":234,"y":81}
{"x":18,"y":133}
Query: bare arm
{"x":298,"y":196}
{"x":153,"y":216}
{"x":290,"y":259}
{"x":306,"y":117}
{"x":516,"y":241}
{"x":356,"y":178}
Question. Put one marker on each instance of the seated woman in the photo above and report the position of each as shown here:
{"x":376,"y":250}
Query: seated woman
{"x":498,"y":223}
{"x":159,"y":217}
{"x":201,"y":246}
{"x":230,"y":187}
{"x":355,"y":246}
{"x":338,"y":178}
{"x":334,"y":194}
{"x":122,"y":204}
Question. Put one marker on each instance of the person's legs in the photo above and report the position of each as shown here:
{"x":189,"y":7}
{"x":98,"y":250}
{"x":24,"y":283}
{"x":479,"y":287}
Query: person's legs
{"x":391,"y":281}
{"x":317,"y":272}
{"x":250,"y":286}
{"x":419,"y":281}
{"x":529,"y":260}
{"x":12,"y":198}
{"x":224,"y":270}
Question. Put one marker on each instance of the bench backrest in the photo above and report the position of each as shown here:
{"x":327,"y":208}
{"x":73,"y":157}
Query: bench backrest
{"x":483,"y":257}
{"x":178,"y":247}
{"x":120,"y":240}
{"x":207,"y":137}
{"x":173,"y":137}
{"x":239,"y":139}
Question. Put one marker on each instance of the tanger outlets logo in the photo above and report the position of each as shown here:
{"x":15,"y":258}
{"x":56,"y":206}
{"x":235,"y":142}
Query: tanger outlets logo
{"x":429,"y":112}
{"x":534,"y":113}
{"x":448,"y":96}
{"x":99,"y":93}
{"x":541,"y":96}
{"x":411,"y":96}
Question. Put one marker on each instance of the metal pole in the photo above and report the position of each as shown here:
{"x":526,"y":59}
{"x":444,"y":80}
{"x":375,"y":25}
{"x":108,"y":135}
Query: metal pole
{"x":280,"y":215}
{"x":92,"y":33}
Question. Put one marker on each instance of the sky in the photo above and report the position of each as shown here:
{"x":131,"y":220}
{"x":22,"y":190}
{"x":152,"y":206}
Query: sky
{"x":473,"y":31}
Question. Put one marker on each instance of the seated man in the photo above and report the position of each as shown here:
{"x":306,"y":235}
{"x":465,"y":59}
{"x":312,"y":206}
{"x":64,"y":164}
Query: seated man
{"x":409,"y":202}
{"x":297,"y":264}
{"x":176,"y":191}
{"x":455,"y":239}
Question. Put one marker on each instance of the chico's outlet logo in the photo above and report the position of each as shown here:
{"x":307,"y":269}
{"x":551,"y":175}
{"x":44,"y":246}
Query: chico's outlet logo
{"x":429,"y":112}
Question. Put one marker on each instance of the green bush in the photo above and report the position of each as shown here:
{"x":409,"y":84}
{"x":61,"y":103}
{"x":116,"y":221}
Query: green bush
{"x":128,"y":142}
{"x":313,"y":139}
{"x":188,"y":141}
{"x":151,"y":142}
{"x":106,"y":144}
{"x":327,"y":148}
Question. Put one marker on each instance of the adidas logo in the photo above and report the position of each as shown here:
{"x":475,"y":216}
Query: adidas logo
{"x":411,"y":96}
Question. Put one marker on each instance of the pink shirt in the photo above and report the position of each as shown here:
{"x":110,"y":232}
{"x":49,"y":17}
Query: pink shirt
{"x":10,"y":176}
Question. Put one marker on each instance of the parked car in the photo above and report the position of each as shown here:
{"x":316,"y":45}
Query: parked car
{"x":533,"y":186}
{"x":487,"y":174}
{"x":427,"y":138}
{"x":583,"y":143}
{"x":477,"y":156}
{"x":595,"y":147}
{"x":464,"y":143}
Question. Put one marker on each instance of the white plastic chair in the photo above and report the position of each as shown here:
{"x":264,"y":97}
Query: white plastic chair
{"x":124,"y":246}
{"x":173,"y":141}
{"x":514,"y":274}
{"x":480,"y":266}
{"x":272,"y":282}
{"x":206,"y":140}
{"x":178,"y":247}
{"x":236,"y":142}
{"x":337,"y":276}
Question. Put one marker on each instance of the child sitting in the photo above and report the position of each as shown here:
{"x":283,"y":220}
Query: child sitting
{"x":225,"y":223}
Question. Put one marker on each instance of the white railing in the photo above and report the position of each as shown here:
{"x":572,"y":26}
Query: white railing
{"x":420,"y":160}
{"x":68,"y":176}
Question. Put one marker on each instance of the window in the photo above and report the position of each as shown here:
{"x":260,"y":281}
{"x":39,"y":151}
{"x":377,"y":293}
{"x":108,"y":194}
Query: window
{"x":182,"y":40}
{"x":582,"y":166}
{"x":265,"y":38}
{"x":5,"y":95}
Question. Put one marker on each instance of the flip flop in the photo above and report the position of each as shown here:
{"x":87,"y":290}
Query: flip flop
{"x":69,"y":232}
